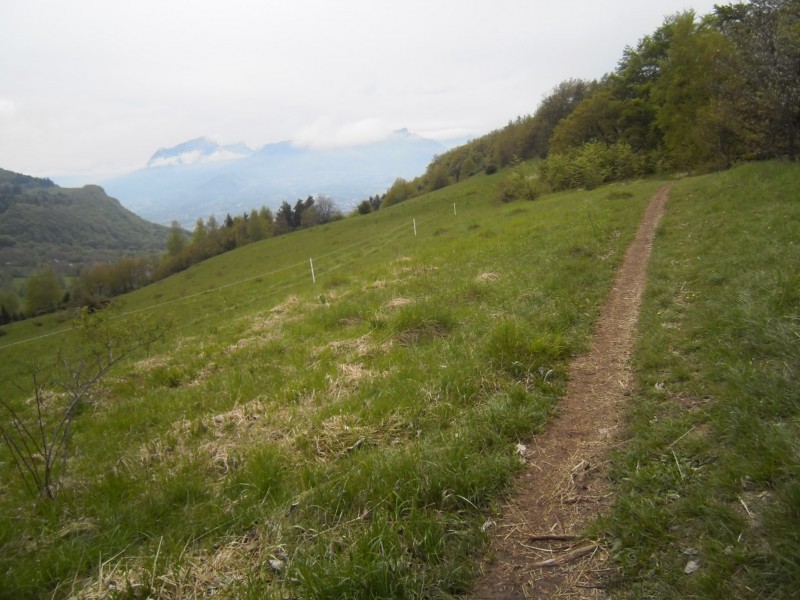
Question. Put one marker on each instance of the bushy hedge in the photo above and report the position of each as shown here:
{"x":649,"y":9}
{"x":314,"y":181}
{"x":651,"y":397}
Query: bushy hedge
{"x":592,"y":164}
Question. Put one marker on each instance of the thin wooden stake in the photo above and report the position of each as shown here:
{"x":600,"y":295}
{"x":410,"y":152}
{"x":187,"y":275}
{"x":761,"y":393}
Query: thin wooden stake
{"x":313,"y":278}
{"x":415,"y":227}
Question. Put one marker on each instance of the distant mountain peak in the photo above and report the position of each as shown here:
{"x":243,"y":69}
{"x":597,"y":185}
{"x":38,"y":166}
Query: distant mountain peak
{"x":198,"y":150}
{"x":406,"y":134}
{"x":193,"y":185}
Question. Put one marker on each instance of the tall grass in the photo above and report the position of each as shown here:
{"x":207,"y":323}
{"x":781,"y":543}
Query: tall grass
{"x":710,"y":473}
{"x":340,"y":439}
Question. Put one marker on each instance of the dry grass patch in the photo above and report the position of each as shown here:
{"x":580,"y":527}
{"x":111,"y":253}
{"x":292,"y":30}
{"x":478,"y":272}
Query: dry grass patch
{"x":204,"y":373}
{"x":216,"y":572}
{"x":397,"y":303}
{"x":230,"y":433}
{"x":339,"y":435}
{"x":151,"y":362}
{"x":287,"y":306}
{"x":416,"y":271}
{"x":346,"y":383}
{"x":264,"y":326}
{"x":360,"y":347}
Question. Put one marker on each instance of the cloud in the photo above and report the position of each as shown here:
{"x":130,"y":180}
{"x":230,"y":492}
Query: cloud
{"x":98,"y":86}
{"x":7,"y":108}
{"x":326,"y":133}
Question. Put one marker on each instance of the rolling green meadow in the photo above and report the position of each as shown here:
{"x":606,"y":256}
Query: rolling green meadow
{"x":349,"y":437}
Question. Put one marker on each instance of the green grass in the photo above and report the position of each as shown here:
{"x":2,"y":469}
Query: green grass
{"x":340,"y":439}
{"x":711,"y":470}
{"x":347,"y":439}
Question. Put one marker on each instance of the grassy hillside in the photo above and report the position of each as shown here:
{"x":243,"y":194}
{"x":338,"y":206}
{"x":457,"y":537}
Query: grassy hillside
{"x":344,"y":438}
{"x":42,"y":223}
{"x":711,"y":472}
{"x":358,"y":429}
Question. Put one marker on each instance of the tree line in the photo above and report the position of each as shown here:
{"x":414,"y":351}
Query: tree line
{"x":696,"y":95}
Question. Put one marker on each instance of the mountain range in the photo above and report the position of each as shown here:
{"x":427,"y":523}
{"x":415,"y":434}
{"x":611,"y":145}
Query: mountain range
{"x":200,"y":178}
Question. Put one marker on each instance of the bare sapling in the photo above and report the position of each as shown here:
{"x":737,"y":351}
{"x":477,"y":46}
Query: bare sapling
{"x":38,"y":436}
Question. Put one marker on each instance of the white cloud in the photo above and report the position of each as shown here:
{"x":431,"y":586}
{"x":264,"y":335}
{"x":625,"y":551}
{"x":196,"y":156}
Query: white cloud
{"x":7,"y":108}
{"x":325,"y":132}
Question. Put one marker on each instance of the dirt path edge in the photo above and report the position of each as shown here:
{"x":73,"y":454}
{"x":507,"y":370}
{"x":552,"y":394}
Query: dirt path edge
{"x":537,"y":550}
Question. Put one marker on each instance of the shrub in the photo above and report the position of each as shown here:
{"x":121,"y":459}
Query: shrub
{"x":517,"y":187}
{"x":591,"y":165}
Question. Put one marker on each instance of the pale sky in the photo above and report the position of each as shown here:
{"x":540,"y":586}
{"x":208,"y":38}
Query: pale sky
{"x":92,"y":88}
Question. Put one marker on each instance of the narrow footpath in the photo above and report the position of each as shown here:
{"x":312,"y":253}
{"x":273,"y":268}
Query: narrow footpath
{"x":538,"y":550}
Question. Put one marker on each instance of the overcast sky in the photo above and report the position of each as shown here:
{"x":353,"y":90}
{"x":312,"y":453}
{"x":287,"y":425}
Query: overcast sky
{"x":94,"y":87}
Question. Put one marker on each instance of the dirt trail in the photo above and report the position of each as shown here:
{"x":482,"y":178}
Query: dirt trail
{"x":565,"y":485}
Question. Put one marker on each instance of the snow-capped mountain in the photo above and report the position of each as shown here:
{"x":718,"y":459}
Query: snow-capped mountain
{"x":199,"y":150}
{"x":200,"y":178}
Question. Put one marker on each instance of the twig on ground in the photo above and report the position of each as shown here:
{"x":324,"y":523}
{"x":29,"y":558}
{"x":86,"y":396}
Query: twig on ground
{"x":567,"y":558}
{"x":550,"y":537}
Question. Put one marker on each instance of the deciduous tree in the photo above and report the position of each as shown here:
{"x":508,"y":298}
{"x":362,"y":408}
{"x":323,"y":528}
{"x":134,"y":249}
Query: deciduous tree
{"x":44,"y":291}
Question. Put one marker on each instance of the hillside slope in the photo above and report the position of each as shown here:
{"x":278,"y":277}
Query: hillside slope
{"x":43,"y":223}
{"x":352,"y":436}
{"x":396,"y":386}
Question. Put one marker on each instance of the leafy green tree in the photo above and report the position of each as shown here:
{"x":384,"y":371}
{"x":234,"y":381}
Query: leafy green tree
{"x":364,"y":207}
{"x":766,"y":35}
{"x":437,"y":177}
{"x":200,"y":235}
{"x":310,"y":217}
{"x":176,"y":240}
{"x":283,"y":219}
{"x":266,"y":214}
{"x":632,"y":84}
{"x":685,"y":94}
{"x":258,"y":228}
{"x":202,"y":244}
{"x":400,"y":191}
{"x":596,"y":118}
{"x":468,"y":168}
{"x":554,"y":108}
{"x":211,"y":225}
{"x":9,"y":306}
{"x":43,"y":291}
{"x":300,"y":207}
